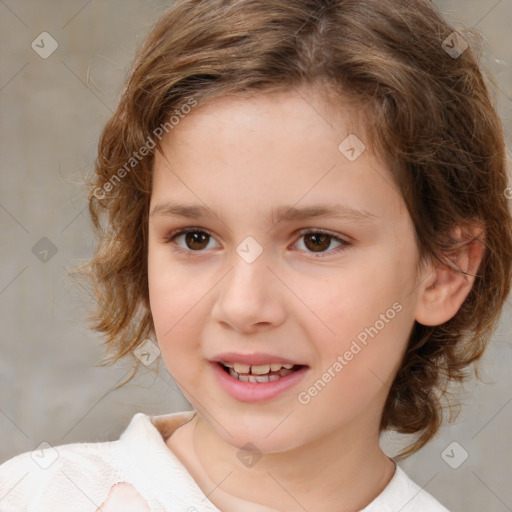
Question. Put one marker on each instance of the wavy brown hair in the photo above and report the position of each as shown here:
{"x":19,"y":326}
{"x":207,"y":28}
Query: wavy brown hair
{"x":427,"y":113}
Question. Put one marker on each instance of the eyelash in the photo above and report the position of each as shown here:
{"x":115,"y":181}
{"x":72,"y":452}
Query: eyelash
{"x":178,"y":232}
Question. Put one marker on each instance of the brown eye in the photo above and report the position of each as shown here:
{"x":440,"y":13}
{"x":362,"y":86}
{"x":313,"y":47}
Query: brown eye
{"x":190,"y":240}
{"x":196,"y":240}
{"x":317,"y":242}
{"x":321,"y":243}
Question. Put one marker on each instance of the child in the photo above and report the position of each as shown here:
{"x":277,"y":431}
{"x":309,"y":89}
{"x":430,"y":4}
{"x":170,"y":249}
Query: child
{"x":303,"y":202}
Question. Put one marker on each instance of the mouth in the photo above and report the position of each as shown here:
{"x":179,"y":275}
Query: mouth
{"x":257,"y":377}
{"x":259,"y":373}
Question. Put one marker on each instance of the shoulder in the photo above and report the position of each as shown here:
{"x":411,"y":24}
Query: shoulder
{"x":403,"y":494}
{"x":81,"y":476}
{"x":55,"y":474}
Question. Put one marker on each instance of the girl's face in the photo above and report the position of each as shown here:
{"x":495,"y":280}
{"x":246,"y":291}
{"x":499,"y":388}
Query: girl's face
{"x":299,"y":250}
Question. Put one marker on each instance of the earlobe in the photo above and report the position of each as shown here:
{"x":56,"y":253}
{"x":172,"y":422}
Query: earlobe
{"x":446,"y":286}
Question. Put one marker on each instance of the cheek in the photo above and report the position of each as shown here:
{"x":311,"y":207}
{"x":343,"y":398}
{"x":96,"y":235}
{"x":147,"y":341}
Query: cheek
{"x":172,"y":290}
{"x":174,"y":312}
{"x":354,"y":299}
{"x":174,"y":301}
{"x":357,"y":365}
{"x":369,"y":311}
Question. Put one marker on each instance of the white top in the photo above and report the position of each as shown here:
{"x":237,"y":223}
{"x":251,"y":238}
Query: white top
{"x":81,"y":477}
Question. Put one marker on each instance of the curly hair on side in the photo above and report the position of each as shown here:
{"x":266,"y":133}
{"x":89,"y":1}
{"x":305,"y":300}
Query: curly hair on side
{"x":428,"y":113}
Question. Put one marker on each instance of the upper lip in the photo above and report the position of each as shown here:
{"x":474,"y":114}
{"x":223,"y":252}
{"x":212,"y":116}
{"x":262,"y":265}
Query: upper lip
{"x":252,"y":359}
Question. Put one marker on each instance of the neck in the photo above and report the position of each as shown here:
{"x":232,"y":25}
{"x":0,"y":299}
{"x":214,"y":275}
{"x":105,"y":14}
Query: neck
{"x":343,"y":470}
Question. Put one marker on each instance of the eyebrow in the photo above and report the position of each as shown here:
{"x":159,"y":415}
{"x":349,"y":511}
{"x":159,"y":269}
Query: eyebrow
{"x":286,"y":213}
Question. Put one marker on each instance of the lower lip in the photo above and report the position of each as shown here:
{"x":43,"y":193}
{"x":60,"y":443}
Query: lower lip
{"x":256,"y":391}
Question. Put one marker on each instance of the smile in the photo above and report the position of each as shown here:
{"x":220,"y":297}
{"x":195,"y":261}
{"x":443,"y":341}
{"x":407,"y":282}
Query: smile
{"x":257,"y":383}
{"x":259,"y":373}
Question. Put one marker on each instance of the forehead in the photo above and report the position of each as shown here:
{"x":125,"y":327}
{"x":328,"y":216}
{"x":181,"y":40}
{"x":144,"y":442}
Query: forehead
{"x":300,"y":109}
{"x":271,"y":149}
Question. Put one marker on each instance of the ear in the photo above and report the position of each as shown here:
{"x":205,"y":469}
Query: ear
{"x":444,"y":289}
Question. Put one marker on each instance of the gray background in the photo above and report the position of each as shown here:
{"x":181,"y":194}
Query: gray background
{"x":52,"y":112}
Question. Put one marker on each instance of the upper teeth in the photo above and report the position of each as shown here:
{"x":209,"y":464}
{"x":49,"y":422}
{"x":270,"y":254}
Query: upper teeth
{"x":260,"y":369}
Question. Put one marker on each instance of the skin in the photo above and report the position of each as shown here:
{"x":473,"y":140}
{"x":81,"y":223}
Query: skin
{"x":241,"y":158}
{"x":123,"y":497}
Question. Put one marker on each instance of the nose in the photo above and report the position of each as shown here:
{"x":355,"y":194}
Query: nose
{"x":249,"y":298}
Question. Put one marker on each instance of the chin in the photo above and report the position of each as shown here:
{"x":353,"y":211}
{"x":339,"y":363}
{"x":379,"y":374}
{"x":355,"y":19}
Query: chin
{"x":280,"y":439}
